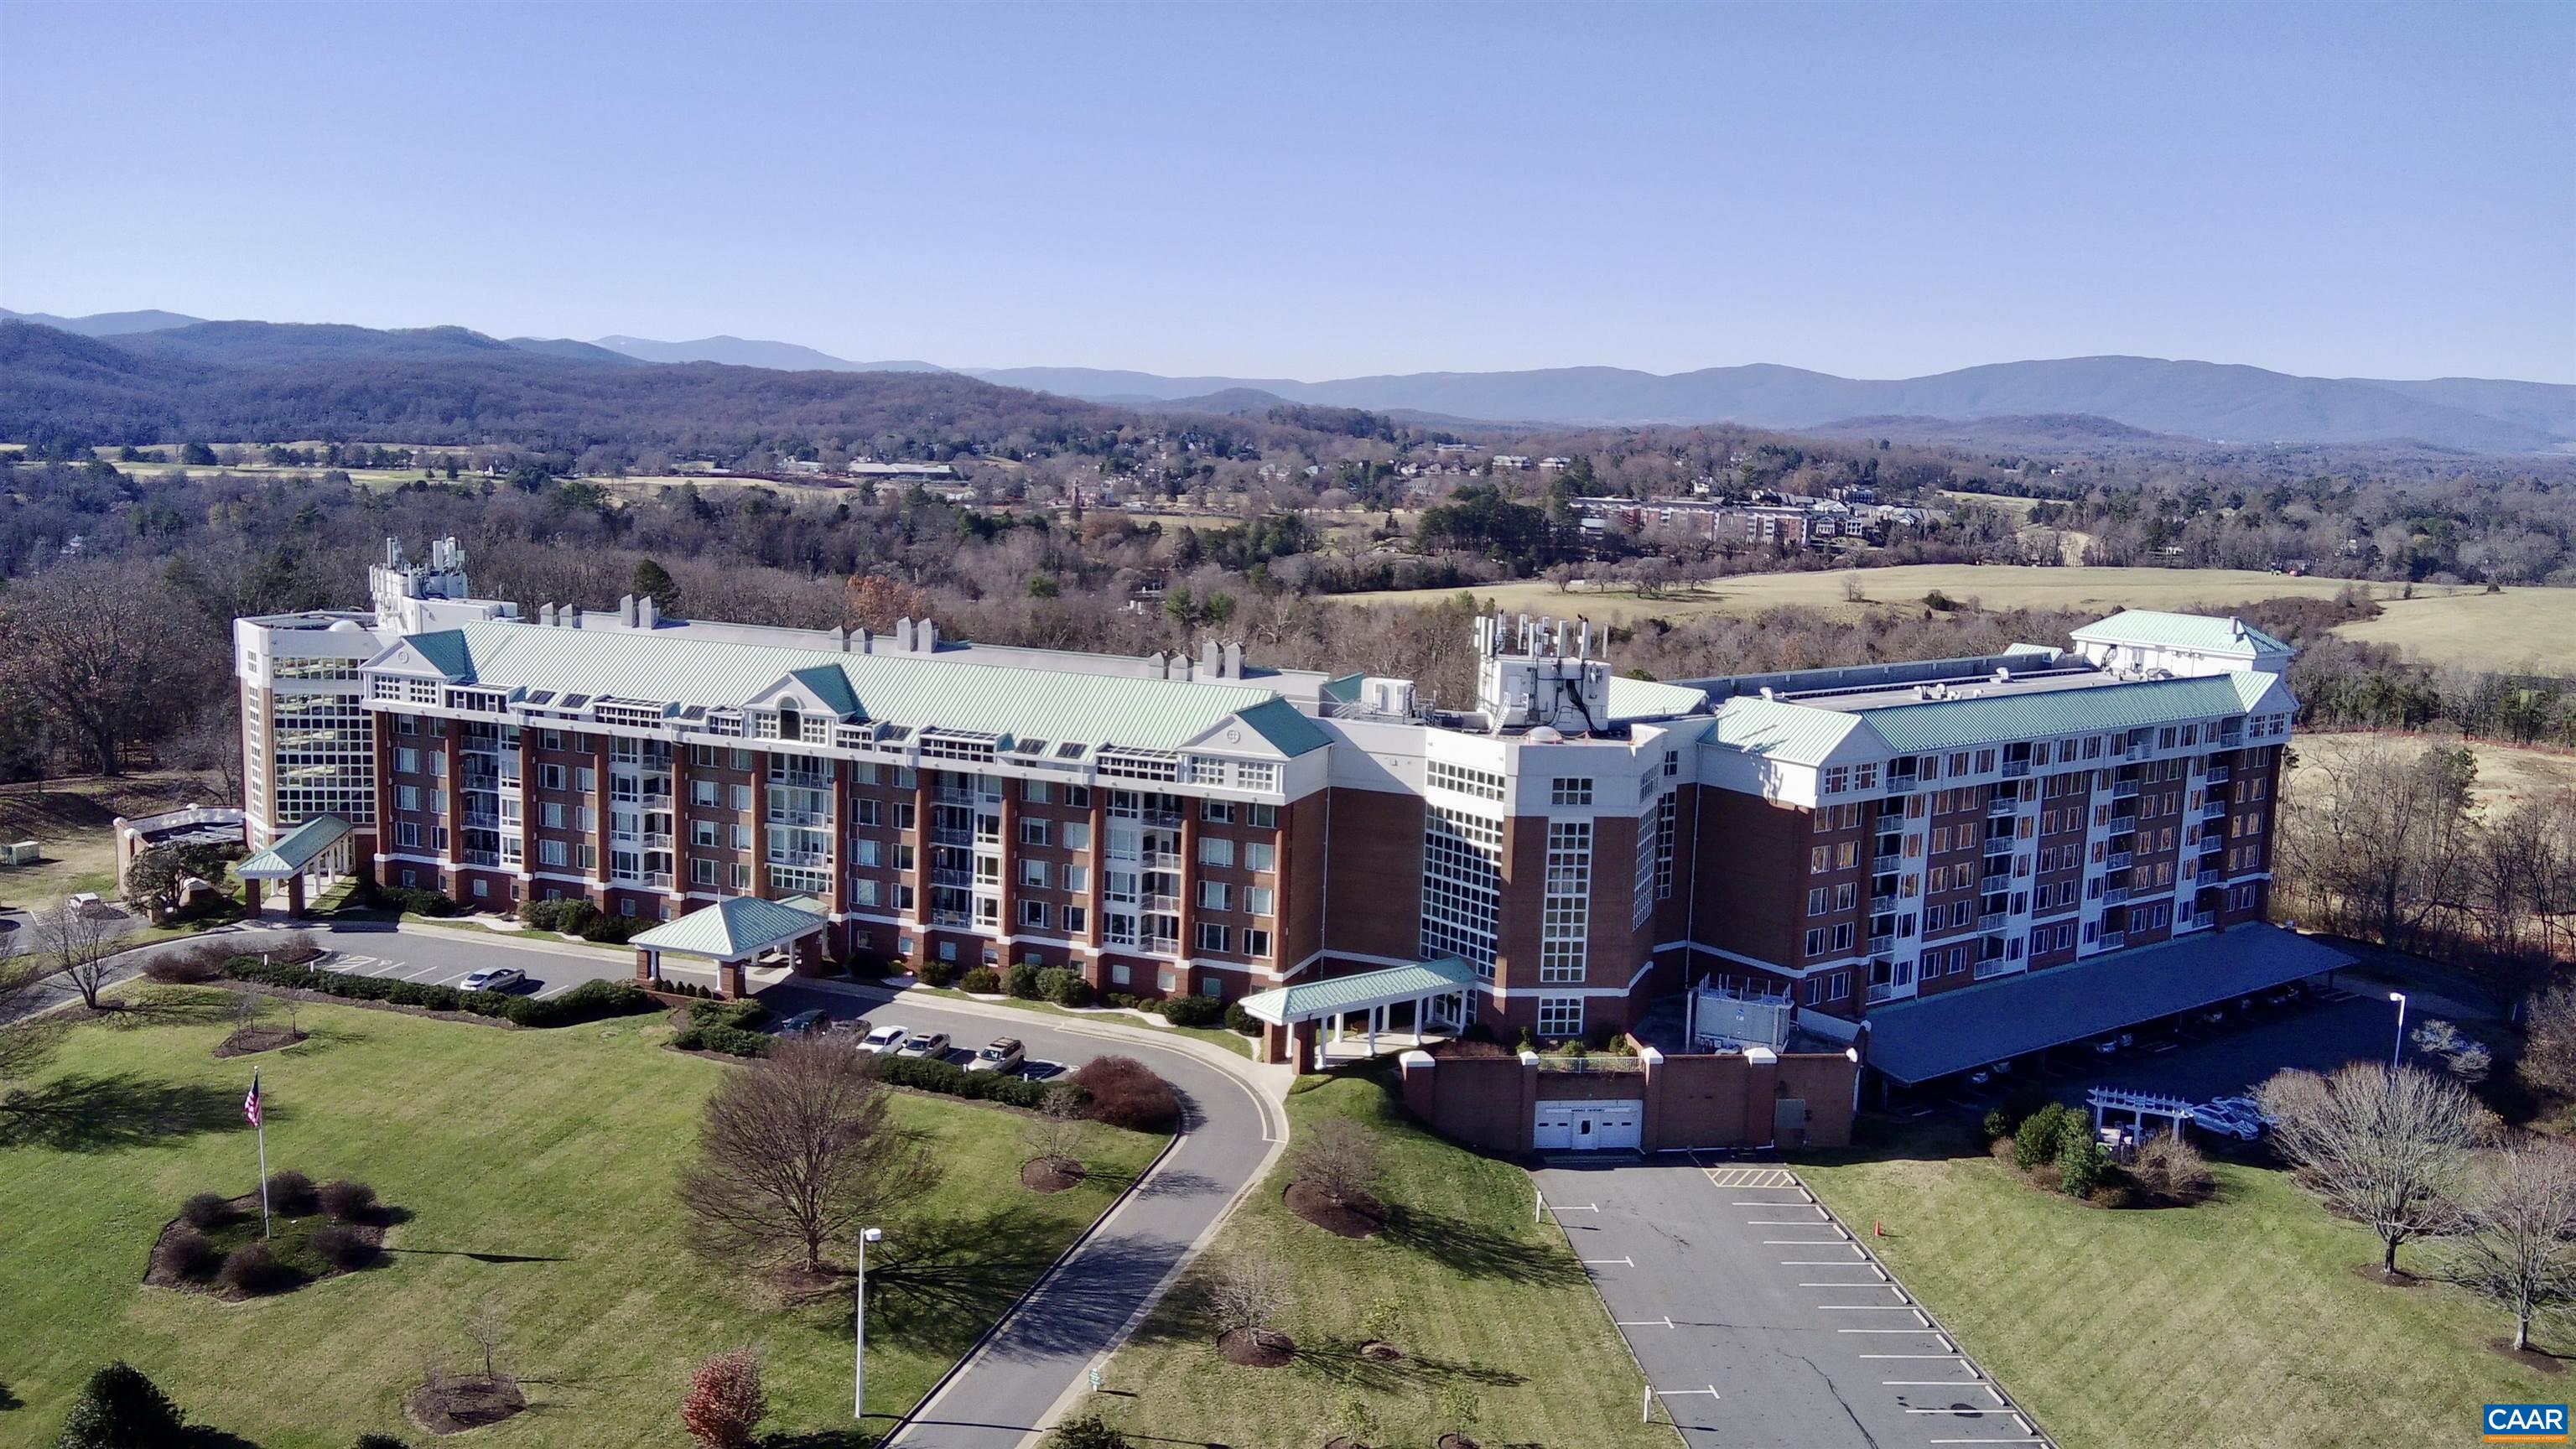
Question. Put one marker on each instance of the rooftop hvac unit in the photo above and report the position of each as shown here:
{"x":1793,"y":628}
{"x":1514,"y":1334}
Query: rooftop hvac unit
{"x":1727,"y":1022}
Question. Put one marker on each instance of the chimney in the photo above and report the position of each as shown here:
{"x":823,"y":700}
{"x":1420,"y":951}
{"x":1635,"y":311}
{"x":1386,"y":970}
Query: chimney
{"x":626,"y":610}
{"x":546,"y":616}
{"x":1154,"y":667}
{"x":867,"y":641}
{"x":1211,"y":658}
{"x":647,"y":612}
{"x":903,"y":635}
{"x":1234,"y":660}
{"x":841,"y":638}
{"x":925,"y":636}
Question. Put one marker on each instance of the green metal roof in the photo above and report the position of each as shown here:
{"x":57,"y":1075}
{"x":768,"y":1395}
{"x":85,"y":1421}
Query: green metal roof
{"x":1307,"y":1001}
{"x":732,"y":928}
{"x":1945,"y":724}
{"x":1809,"y":734}
{"x":2180,"y":631}
{"x":1652,"y":699}
{"x":945,"y":691}
{"x":294,"y":850}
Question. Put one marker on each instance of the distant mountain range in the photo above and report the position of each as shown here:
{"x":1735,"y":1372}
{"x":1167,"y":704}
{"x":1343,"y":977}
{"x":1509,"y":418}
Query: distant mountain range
{"x":2199,"y":400}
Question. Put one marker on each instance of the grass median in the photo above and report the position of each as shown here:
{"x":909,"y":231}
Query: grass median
{"x":2237,"y":1322}
{"x":537,"y":1167}
{"x":1490,"y":1299}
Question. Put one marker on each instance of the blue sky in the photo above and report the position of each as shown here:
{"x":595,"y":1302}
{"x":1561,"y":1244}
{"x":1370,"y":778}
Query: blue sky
{"x":1312,"y":190}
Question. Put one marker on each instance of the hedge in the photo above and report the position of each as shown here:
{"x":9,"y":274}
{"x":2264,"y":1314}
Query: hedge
{"x":949,"y":1079}
{"x":715,"y":1036}
{"x":590,"y":1001}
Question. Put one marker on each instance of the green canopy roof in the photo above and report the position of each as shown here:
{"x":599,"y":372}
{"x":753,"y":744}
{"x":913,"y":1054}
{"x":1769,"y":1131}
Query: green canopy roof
{"x":295,"y":850}
{"x":1308,"y":1001}
{"x":732,"y":929}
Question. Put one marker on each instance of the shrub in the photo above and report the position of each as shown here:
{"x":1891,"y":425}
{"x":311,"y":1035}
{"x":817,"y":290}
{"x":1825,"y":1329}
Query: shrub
{"x":189,"y":965}
{"x":1064,"y":987}
{"x":290,"y":1192}
{"x":1021,"y":981}
{"x":119,"y":1409}
{"x":617,"y":930}
{"x":1126,"y":1093}
{"x":1193,"y":1010}
{"x":1127,"y":1001}
{"x":731,"y":1040}
{"x":206,"y":1210}
{"x":416,"y":901}
{"x":184,"y":1252}
{"x":343,"y":1247}
{"x":348,"y":1201}
{"x":1239,"y":1020}
{"x":935,"y":973}
{"x":1941,"y":601}
{"x":2079,"y":1166}
{"x":569,"y":915}
{"x":1997,"y":1124}
{"x":252,"y":1268}
{"x":725,"y":1401}
{"x":924,"y":1074}
{"x":741,"y":1014}
{"x":379,"y":1441}
{"x":982,"y":981}
{"x":2036,"y":1140}
{"x":1087,"y":1431}
{"x":2172,"y":1169}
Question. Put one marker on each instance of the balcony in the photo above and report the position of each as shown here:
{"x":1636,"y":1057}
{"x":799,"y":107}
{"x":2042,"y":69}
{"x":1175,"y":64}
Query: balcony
{"x":482,"y":819}
{"x":815,"y":818}
{"x":1881,"y":905}
{"x":2002,"y":806}
{"x":2212,"y":842}
{"x":1999,"y":881}
{"x":2118,"y":860}
{"x":1165,"y":904}
{"x":1999,"y":845}
{"x":1881,"y":945}
{"x":479,"y":857}
{"x":951,"y":918}
{"x":2124,"y":789}
{"x":1991,"y":921}
{"x":2198,"y":922}
{"x":1886,"y":864}
{"x":657,"y":840}
{"x":1986,"y":970}
{"x":1161,"y":819}
{"x":943,"y":835}
{"x":2115,"y":895}
{"x":800,"y":857}
{"x":961,"y":879}
{"x":1165,"y":945}
{"x":2015,"y":769}
{"x":2112,"y":940}
{"x":1899,"y":785}
{"x":2214,"y":810}
{"x":1163,"y":859}
{"x":802,"y":779}
{"x":1881,"y":991}
{"x":2216,"y":775}
{"x":951,"y":795}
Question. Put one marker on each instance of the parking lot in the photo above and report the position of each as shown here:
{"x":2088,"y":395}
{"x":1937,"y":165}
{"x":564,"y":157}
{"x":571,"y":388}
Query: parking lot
{"x":1760,"y":1321}
{"x":444,"y":971}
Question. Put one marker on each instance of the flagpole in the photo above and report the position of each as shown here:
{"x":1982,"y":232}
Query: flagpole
{"x":259,"y":1119}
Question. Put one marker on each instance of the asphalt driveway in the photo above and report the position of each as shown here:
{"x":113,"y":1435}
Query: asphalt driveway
{"x":1759,"y":1321}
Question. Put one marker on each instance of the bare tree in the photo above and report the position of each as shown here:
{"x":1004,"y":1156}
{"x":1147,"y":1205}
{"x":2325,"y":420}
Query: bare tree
{"x":1248,"y":1294}
{"x":2384,"y":1148}
{"x":2517,"y":1244}
{"x":2549,"y":1040}
{"x":1057,"y":1128}
{"x":77,"y":945}
{"x":486,"y":1328}
{"x":1338,"y":1156}
{"x":796,"y":1153}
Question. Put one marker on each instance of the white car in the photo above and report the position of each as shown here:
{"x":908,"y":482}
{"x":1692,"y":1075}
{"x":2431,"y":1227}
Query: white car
{"x":493,"y":978}
{"x":932,"y":1044}
{"x":883,"y":1039}
{"x":2232,"y":1121}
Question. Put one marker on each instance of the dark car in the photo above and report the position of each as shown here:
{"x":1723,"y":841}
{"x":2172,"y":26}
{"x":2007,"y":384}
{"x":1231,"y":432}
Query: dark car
{"x":804,"y":1023}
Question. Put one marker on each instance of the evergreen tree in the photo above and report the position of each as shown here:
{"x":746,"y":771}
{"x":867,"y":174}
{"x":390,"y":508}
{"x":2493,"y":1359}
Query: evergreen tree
{"x":121,"y":1409}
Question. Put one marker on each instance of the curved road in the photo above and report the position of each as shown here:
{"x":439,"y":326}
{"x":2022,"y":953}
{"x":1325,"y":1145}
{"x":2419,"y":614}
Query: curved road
{"x":1036,"y":1358}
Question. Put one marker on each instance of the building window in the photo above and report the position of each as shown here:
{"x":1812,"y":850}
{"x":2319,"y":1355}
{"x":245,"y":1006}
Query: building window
{"x":1257,"y":900}
{"x":1215,"y":850}
{"x":1570,"y":790}
{"x":1216,"y":938}
{"x":1262,"y":817}
{"x":1033,"y":873}
{"x":1565,"y":906}
{"x":1560,"y":1017}
{"x":1462,"y":876}
{"x":1033,"y":913}
{"x":1217,"y":812}
{"x":1215,"y":895}
{"x":1256,"y":942}
{"x":1260,"y":857}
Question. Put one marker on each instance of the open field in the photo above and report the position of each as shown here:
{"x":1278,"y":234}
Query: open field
{"x":73,"y":821}
{"x":2235,"y":1323}
{"x":2525,"y":630}
{"x":2506,"y":773}
{"x":538,"y":1167}
{"x":1490,"y":1298}
{"x":1994,"y":586}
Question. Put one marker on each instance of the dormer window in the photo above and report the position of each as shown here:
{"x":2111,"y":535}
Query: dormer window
{"x":790,"y":725}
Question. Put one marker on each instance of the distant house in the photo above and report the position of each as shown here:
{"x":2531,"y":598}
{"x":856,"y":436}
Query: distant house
{"x":904,"y":472}
{"x":804,"y":466}
{"x":1554,"y":465}
{"x":1511,"y":460}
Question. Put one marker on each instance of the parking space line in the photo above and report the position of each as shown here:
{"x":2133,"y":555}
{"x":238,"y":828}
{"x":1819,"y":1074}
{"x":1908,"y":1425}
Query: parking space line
{"x":1865,"y":1307}
{"x":1785,"y":1222}
{"x":1804,"y":1242}
{"x":1928,"y":1383}
{"x":1890,"y":1287}
{"x":1664,"y":1322}
{"x":1621,"y":1262}
{"x":1960,"y":1356}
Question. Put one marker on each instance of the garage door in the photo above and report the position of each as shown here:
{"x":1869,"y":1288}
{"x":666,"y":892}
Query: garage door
{"x":1588,"y":1126}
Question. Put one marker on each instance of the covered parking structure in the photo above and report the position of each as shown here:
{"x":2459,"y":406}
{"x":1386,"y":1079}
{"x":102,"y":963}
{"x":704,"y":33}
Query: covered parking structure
{"x":1934,"y":1036}
{"x":740,"y":942}
{"x":318,"y":848}
{"x":1439,"y":997}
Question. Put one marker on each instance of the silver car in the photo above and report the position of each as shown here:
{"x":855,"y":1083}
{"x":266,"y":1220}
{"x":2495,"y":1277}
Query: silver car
{"x":1001,"y":1054}
{"x":932,"y":1044}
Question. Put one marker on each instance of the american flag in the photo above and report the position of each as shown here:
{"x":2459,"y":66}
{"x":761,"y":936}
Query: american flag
{"x":250,"y":1104}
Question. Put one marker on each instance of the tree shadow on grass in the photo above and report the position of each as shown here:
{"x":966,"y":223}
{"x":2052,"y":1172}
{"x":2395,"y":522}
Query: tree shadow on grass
{"x":160,"y":1005}
{"x":85,"y":1112}
{"x":1340,"y":1360}
{"x":1478,"y":1252}
{"x":937,"y":1284}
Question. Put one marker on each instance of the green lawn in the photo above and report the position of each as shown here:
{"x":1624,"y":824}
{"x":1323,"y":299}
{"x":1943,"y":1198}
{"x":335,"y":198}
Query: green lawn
{"x":1490,"y":1297}
{"x":2237,"y":1322}
{"x":538,"y":1167}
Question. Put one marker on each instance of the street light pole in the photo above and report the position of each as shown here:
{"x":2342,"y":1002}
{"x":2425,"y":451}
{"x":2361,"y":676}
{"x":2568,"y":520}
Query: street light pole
{"x":859,"y":1328}
{"x":2398,"y":1050}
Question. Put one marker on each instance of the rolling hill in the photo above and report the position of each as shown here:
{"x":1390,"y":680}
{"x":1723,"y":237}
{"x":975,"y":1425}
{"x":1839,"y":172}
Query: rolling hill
{"x":102,"y":324}
{"x":754,"y":352}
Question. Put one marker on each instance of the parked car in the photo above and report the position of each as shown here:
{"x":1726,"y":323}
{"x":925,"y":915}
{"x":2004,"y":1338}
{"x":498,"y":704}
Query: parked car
{"x":2213,"y":1014}
{"x":883,"y":1039}
{"x":932,"y":1044}
{"x":2284,"y":995}
{"x":2115,"y":1042}
{"x":494,"y":978}
{"x":2245,"y":1106}
{"x":858,"y":1027}
{"x":2224,"y":1117}
{"x":804,"y":1023}
{"x":1000,"y":1054}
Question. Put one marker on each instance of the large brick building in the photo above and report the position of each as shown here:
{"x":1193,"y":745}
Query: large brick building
{"x":1853,"y":840}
